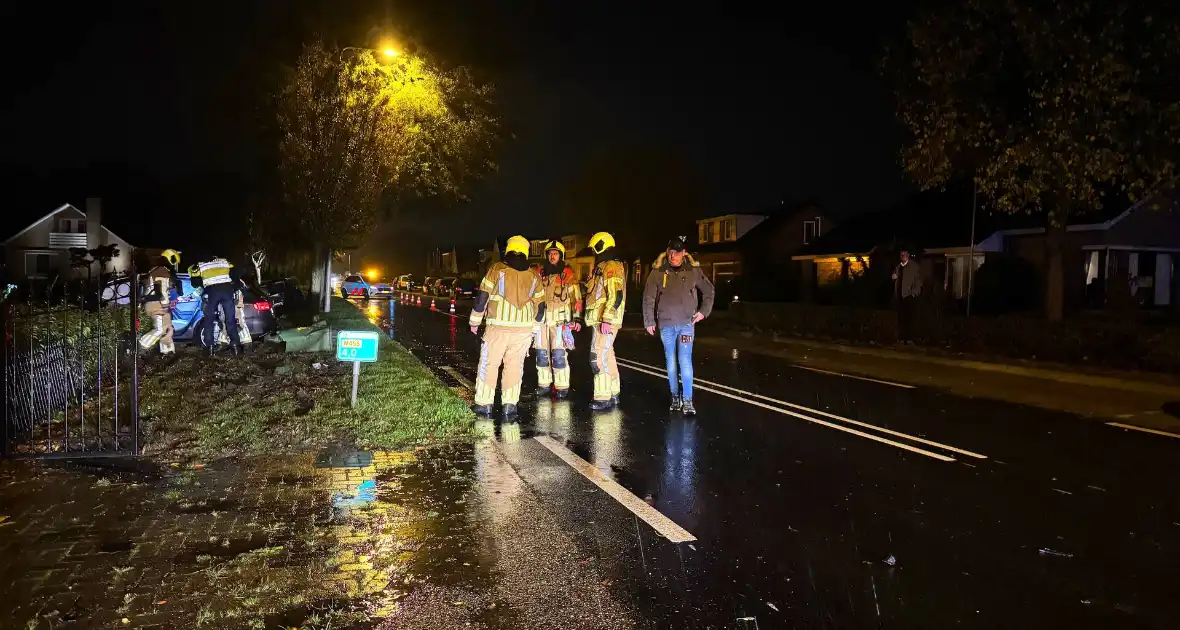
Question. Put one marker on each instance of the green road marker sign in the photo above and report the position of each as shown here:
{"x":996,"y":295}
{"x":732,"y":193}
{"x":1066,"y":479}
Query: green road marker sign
{"x":357,"y":346}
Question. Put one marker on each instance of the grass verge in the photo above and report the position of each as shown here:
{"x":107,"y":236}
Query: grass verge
{"x":270,"y":402}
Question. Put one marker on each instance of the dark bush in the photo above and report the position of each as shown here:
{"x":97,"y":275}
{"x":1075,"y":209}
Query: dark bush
{"x":1006,"y":284}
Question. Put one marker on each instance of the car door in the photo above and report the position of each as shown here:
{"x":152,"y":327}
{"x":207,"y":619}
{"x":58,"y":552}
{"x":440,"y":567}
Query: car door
{"x":187,"y":311}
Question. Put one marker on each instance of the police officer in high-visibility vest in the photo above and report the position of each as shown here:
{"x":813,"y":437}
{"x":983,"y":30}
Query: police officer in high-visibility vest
{"x":511,"y":303}
{"x":563,"y":315}
{"x":160,"y":284}
{"x":606,"y":297}
{"x":219,"y":281}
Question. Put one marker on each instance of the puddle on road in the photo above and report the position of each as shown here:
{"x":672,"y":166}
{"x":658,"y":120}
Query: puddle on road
{"x":293,"y":542}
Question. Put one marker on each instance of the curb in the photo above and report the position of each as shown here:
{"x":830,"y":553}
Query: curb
{"x":1091,"y":380}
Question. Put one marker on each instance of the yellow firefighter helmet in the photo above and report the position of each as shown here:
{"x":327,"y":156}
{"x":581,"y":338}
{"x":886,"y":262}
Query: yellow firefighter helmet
{"x":518,"y":244}
{"x":553,"y":244}
{"x":601,"y":242}
{"x":172,"y":256}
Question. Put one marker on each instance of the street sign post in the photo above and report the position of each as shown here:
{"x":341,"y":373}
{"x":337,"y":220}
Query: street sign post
{"x":357,"y":346}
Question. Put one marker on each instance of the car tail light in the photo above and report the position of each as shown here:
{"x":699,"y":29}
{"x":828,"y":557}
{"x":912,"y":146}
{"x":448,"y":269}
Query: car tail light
{"x":262,"y":305}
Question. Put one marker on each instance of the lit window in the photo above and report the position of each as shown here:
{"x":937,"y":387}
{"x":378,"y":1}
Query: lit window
{"x":707,"y":232}
{"x":727,"y":231}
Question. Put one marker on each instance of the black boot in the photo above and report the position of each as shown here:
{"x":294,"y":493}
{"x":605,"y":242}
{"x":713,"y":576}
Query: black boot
{"x":676,"y":404}
{"x":509,"y":411}
{"x":542,"y":390}
{"x":482,"y":410}
{"x":687,"y":409}
{"x":601,"y":405}
{"x":562,"y":394}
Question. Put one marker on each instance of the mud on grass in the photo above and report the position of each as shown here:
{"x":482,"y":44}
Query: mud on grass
{"x":269,"y":402}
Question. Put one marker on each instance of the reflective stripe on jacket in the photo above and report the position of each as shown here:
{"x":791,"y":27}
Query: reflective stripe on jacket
{"x":513,"y":298}
{"x":214,"y":272}
{"x":606,"y":296}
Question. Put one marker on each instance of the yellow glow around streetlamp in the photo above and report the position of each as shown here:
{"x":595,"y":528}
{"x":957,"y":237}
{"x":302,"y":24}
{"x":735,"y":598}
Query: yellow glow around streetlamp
{"x":389,"y":52}
{"x":372,"y":273}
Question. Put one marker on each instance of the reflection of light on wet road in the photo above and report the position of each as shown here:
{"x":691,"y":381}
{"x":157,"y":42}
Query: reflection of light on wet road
{"x":607,"y":446}
{"x":678,"y":481}
{"x":553,"y":417}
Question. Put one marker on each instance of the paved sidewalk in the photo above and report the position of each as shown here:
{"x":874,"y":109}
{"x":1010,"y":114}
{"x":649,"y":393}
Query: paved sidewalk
{"x":432,"y":538}
{"x":1146,"y":399}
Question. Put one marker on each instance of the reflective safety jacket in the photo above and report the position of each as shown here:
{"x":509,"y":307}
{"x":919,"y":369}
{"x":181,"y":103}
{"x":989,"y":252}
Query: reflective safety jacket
{"x":563,"y":296}
{"x":215,"y":272}
{"x":606,"y":294}
{"x":159,"y":285}
{"x":508,"y":297}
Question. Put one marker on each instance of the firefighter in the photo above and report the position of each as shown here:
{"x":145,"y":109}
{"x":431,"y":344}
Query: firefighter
{"x":563,"y":314}
{"x":511,"y":303}
{"x":157,"y":302}
{"x":219,"y":281}
{"x":606,"y":296}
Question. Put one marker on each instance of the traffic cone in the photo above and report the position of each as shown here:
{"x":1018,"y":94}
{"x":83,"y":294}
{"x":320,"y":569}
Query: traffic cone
{"x":452,"y":306}
{"x":419,"y":300}
{"x":432,"y":307}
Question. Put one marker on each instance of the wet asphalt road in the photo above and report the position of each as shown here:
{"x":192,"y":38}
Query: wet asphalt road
{"x":900,"y":508}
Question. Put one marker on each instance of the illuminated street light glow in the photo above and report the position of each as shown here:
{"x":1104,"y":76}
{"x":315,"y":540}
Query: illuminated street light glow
{"x":389,"y":52}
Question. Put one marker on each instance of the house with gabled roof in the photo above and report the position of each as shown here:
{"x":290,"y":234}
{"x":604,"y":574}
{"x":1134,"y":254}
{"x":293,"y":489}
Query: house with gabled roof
{"x":42,"y":249}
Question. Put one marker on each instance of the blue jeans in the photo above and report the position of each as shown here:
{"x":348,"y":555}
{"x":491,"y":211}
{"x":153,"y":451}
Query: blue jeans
{"x":678,"y":345}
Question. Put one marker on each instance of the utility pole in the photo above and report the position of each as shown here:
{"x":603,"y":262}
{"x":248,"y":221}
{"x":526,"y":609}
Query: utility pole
{"x":971,"y":258}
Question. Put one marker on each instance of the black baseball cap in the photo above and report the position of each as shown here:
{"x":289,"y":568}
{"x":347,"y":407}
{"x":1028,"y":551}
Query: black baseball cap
{"x":678,"y":244}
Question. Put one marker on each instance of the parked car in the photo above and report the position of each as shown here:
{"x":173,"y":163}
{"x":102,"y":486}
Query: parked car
{"x":414,"y":283}
{"x":442,"y":287}
{"x":402,"y":283}
{"x":354,"y":286}
{"x":381,"y":288}
{"x":188,"y":314}
{"x":464,"y":287}
{"x":427,"y":286}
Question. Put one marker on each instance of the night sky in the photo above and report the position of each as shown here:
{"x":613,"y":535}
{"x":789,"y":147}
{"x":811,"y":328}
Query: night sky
{"x":618,"y":110}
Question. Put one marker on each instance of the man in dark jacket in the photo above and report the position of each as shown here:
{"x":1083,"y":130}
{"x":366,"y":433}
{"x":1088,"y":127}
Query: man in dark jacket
{"x":677,"y":295}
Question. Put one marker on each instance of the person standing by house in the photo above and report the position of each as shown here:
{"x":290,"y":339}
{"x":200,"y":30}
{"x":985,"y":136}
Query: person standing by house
{"x":907,"y":282}
{"x":676,"y":297}
{"x":563,"y":310}
{"x":219,"y":282}
{"x":512,"y":305}
{"x":606,"y":297}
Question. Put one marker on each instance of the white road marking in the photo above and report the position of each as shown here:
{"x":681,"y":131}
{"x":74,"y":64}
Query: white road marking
{"x":463,"y":380}
{"x":640,"y":367}
{"x":859,"y":378}
{"x":1143,"y":429}
{"x":663,"y":525}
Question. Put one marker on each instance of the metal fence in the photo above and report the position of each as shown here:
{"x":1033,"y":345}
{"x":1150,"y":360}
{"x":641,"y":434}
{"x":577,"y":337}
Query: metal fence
{"x":70,"y":370}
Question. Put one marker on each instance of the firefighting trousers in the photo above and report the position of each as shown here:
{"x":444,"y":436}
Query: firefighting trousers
{"x":553,"y":366}
{"x":503,"y":346}
{"x":161,"y":332}
{"x":603,"y":366}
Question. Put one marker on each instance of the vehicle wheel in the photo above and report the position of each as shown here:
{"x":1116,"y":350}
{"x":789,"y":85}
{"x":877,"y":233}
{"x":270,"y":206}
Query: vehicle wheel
{"x":365,"y":294}
{"x":343,"y":295}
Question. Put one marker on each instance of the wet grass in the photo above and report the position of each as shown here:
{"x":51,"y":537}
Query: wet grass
{"x":268,"y":402}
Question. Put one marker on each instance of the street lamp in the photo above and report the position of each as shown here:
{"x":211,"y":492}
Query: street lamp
{"x":389,"y":53}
